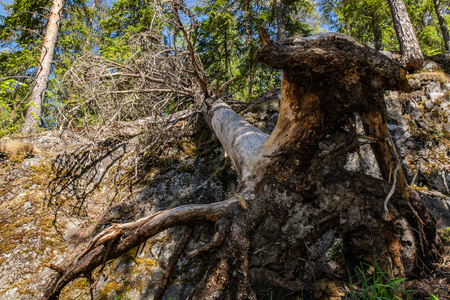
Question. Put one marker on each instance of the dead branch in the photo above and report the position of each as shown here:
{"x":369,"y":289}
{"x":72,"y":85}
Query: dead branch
{"x":173,"y":262}
{"x":119,"y":238}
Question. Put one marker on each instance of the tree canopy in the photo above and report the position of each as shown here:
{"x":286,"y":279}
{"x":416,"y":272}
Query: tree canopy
{"x":226,"y":43}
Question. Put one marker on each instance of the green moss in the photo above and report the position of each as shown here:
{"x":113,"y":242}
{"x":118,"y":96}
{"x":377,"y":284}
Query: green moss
{"x":110,"y":287}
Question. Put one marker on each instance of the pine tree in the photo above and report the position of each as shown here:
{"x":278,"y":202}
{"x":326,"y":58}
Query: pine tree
{"x":33,"y":116}
{"x":442,"y":23}
{"x":409,"y":45}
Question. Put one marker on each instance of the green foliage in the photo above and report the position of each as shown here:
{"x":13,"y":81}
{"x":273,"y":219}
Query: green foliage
{"x":336,"y":252}
{"x":423,"y":17}
{"x":370,"y":22}
{"x":366,"y":20}
{"x":122,"y":297}
{"x":445,"y":234}
{"x":376,"y":284}
{"x":123,"y":20}
{"x":21,"y":36}
{"x":227,"y":43}
{"x":11,"y":112}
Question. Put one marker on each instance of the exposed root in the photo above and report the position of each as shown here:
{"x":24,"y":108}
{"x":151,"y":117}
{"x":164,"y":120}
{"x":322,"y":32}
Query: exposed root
{"x":221,"y":232}
{"x":173,"y":262}
{"x":391,"y":192}
{"x":277,"y":280}
{"x":213,"y":283}
{"x":119,"y":238}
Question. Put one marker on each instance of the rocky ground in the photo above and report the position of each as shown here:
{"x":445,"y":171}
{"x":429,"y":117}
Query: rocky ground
{"x":51,"y":168}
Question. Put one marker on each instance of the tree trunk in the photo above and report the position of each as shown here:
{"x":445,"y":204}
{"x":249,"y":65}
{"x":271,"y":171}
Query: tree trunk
{"x":442,"y":24}
{"x":281,"y":24}
{"x":33,"y":116}
{"x":377,"y":34}
{"x":273,"y":234}
{"x":409,"y":45}
{"x":248,"y":18}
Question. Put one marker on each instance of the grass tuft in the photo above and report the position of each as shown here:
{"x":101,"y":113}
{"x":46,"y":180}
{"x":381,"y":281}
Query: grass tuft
{"x":16,"y":150}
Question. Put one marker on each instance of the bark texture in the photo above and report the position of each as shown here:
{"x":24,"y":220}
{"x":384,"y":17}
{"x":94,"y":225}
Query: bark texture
{"x":273,"y":234}
{"x":377,"y":33}
{"x":281,"y":24}
{"x":442,"y":23}
{"x":409,"y":45}
{"x":33,"y":116}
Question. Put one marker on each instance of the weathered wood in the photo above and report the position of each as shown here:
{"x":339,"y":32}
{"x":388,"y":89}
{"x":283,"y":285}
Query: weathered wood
{"x":118,"y":239}
{"x":241,"y":140}
{"x":375,"y":125}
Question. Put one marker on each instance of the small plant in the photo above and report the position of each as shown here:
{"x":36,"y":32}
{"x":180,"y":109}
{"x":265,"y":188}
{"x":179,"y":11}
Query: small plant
{"x":445,"y":234}
{"x":377,"y":285}
{"x":336,"y":252}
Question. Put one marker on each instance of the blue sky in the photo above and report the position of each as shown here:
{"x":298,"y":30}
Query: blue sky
{"x":2,"y":11}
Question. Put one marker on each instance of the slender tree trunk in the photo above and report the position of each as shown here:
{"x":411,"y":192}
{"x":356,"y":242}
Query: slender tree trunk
{"x":249,"y":50}
{"x":442,"y":24}
{"x":377,"y":34}
{"x":281,"y":25}
{"x":347,"y":29}
{"x":225,"y":46}
{"x":32,"y":118}
{"x":409,"y":45}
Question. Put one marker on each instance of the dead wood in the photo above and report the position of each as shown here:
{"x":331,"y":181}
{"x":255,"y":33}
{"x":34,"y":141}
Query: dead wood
{"x":119,"y":238}
{"x":179,"y":248}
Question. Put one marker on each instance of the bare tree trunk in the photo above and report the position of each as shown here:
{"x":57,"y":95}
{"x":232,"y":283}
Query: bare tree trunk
{"x":442,"y":24}
{"x":281,"y":25}
{"x":32,"y":118}
{"x":409,"y":45}
{"x":248,"y":16}
{"x":377,"y":34}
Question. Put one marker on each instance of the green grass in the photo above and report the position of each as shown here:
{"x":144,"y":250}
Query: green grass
{"x":378,"y":285}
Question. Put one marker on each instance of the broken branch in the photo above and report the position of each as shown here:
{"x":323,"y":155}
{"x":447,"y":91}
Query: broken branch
{"x":129,"y":235}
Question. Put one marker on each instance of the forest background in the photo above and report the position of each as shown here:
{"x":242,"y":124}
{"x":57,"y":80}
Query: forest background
{"x":228,"y":37}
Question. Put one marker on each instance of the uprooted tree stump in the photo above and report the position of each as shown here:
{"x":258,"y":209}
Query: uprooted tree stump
{"x":294,"y":188}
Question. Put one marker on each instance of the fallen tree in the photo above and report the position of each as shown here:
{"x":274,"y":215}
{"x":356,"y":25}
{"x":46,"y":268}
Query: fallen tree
{"x":294,"y":187}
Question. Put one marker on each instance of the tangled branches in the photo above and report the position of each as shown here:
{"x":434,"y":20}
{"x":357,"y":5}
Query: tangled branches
{"x":131,"y":108}
{"x":153,"y":82}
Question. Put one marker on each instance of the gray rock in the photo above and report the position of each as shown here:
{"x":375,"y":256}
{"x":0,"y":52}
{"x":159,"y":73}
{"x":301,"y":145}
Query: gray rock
{"x":410,"y":107}
{"x":431,"y":66}
{"x":31,"y":162}
{"x":434,"y":96}
{"x":447,"y":127}
{"x":439,"y":205}
{"x":433,"y":87}
{"x":428,"y":104}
